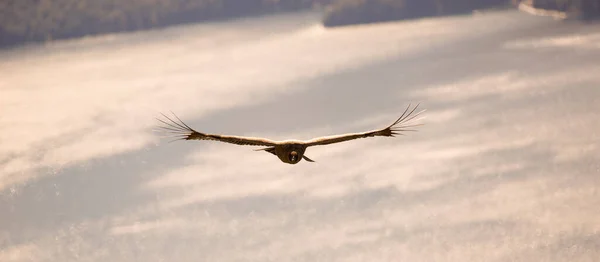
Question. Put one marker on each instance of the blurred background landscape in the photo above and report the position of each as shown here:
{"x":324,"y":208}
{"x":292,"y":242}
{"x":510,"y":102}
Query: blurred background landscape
{"x":43,"y":20}
{"x":505,"y":168}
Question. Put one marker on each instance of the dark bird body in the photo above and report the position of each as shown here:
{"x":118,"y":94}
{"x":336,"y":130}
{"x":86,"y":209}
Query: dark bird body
{"x":288,"y":151}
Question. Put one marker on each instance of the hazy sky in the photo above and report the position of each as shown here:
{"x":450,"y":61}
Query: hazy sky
{"x":506,"y":167}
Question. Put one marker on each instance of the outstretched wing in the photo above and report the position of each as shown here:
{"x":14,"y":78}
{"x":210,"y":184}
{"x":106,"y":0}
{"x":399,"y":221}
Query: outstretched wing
{"x":182,"y":131}
{"x":400,"y":125}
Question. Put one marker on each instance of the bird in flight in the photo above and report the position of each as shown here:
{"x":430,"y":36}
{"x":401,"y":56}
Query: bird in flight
{"x":288,"y":151}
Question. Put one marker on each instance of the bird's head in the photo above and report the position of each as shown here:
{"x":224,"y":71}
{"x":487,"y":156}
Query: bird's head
{"x":293,"y":157}
{"x":291,"y":153}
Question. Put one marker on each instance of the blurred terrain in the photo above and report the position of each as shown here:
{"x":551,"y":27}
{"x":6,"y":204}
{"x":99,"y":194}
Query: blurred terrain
{"x":346,"y":12}
{"x":42,"y":20}
{"x":23,"y":21}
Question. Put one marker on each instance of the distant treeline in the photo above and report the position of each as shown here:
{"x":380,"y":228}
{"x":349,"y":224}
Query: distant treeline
{"x":41,"y":20}
{"x":24,"y":21}
{"x":346,"y":12}
{"x":585,"y":9}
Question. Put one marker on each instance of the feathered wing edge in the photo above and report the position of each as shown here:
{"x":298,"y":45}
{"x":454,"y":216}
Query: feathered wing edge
{"x":400,"y":126}
{"x":396,"y":128}
{"x":181,"y":131}
{"x":175,"y":129}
